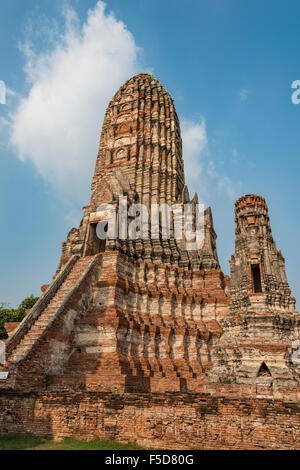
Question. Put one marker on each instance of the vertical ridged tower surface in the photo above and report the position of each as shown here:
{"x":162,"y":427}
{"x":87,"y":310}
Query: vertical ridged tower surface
{"x":140,"y":138}
{"x":258,"y":277}
{"x":140,"y":158}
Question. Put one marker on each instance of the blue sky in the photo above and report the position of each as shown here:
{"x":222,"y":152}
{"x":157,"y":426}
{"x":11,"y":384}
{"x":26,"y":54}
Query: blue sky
{"x":229,"y":66}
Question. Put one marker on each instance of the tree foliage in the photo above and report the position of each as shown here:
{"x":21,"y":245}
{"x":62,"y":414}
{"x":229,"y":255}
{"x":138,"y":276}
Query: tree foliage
{"x":8,"y":314}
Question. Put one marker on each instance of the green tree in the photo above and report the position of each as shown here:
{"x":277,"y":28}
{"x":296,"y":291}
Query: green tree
{"x":8,"y":314}
{"x":26,"y":304}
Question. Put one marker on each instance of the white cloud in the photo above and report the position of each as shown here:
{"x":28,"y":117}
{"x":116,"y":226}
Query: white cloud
{"x":73,"y":216}
{"x":72,"y":74}
{"x":201,"y":170}
{"x":57,"y":125}
{"x":11,"y":92}
{"x":194,"y":146}
{"x":235,"y":156}
{"x":244,"y":94}
{"x":230,"y":188}
{"x":4,"y":121}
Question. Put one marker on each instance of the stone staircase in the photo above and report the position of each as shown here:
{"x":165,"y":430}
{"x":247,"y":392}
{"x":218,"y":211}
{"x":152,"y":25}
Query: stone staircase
{"x":49,"y":306}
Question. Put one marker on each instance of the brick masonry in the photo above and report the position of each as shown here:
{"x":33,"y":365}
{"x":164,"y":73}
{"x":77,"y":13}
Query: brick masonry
{"x":165,"y":420}
{"x":144,"y":340}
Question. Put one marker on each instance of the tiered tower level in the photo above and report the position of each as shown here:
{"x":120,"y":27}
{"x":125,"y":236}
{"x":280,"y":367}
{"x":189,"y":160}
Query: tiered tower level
{"x":143,"y":339}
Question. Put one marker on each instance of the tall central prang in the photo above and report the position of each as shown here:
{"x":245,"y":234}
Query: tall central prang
{"x":140,"y":157}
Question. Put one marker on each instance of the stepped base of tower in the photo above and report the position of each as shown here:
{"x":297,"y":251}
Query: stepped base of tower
{"x":116,"y":325}
{"x":127,"y":350}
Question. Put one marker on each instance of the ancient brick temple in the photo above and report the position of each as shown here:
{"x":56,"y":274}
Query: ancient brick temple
{"x":146,"y":340}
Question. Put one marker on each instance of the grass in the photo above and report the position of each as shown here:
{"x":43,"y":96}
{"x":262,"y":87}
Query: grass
{"x":24,"y":442}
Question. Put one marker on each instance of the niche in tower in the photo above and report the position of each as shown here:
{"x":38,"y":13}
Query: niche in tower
{"x":95,"y":244}
{"x":121,"y":154}
{"x":264,"y":371}
{"x":256,"y":279}
{"x":264,"y":382}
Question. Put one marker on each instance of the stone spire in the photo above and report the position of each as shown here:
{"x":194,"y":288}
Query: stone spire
{"x":254,"y":354}
{"x":140,"y":159}
{"x":258,"y":278}
{"x":141,"y":144}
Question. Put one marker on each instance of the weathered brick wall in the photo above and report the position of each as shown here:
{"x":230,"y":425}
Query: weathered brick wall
{"x":170,"y":420}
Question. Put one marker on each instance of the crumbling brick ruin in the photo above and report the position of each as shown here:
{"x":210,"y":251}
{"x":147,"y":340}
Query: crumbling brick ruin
{"x":145,"y":340}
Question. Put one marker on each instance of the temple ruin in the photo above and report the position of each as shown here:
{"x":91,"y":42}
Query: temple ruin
{"x":144,"y":340}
